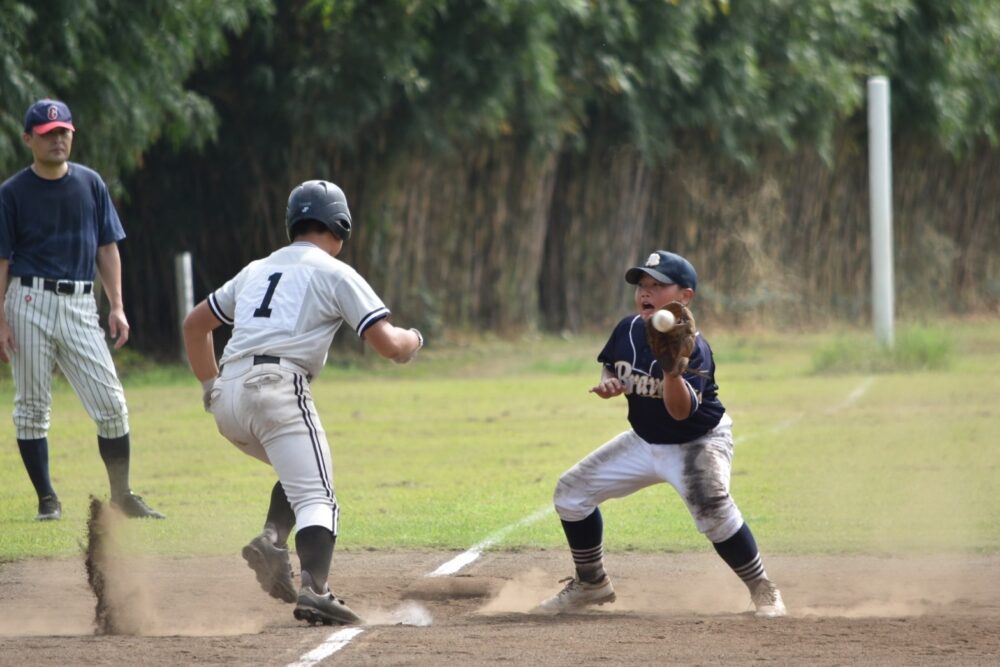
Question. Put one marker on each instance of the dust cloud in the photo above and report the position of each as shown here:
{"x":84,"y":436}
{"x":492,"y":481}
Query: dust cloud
{"x":123,"y":600}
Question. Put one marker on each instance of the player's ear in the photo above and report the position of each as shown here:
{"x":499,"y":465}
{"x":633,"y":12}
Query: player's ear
{"x":686,"y":296}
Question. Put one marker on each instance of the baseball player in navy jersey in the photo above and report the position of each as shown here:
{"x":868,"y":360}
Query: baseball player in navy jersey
{"x":680,"y":434}
{"x":56,"y":220}
{"x":285,"y":310}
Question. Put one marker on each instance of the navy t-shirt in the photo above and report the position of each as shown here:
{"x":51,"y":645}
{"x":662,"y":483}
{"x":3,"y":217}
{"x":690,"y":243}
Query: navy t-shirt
{"x":52,"y":229}
{"x":631,"y":359}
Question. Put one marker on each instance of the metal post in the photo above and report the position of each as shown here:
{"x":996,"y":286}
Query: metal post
{"x":880,"y":181}
{"x":185,"y":292}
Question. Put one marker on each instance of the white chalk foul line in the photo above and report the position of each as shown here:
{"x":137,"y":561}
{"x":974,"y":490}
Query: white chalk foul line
{"x":470,"y":556}
{"x":850,"y":400}
{"x":340,"y":638}
{"x":853,"y":397}
{"x":330,"y":645}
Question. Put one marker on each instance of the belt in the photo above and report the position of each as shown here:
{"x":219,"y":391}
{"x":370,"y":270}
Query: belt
{"x":239,"y":365}
{"x":259,"y":359}
{"x":58,"y":286}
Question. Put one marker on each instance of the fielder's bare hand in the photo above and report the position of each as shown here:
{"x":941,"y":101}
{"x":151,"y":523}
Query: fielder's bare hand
{"x":8,"y":346}
{"x":609,"y":387}
{"x":118,"y":327}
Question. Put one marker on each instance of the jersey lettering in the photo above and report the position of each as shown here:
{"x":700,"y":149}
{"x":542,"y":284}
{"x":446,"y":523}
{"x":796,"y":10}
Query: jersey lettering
{"x":638,"y":384}
{"x":262,"y":309}
{"x":262,"y":306}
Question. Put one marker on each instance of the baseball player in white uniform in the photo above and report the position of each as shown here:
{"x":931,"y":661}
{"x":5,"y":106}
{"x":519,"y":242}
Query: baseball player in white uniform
{"x":285,"y":310}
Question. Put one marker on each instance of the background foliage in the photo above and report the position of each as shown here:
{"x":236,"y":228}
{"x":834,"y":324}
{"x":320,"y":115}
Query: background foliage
{"x":507,"y":159}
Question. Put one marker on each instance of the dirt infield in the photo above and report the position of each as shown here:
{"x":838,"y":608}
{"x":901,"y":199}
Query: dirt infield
{"x":671,"y":609}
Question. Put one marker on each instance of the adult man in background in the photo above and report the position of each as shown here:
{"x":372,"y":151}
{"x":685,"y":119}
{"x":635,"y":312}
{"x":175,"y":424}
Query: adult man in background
{"x":56,"y":221}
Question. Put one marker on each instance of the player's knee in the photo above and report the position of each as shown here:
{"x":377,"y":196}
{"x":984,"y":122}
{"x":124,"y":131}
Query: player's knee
{"x":570,"y":504}
{"x":33,"y":412}
{"x":316,"y":512}
{"x":112,"y":426}
{"x":31,"y":420}
{"x":721,"y":523}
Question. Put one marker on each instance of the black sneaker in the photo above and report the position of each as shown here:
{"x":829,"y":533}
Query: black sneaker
{"x":49,"y":509}
{"x":273,"y":569}
{"x":134,"y":507}
{"x":323,"y":608}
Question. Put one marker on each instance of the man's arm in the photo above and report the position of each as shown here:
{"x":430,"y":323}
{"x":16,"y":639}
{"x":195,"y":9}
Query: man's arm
{"x":200,"y":343}
{"x":677,"y":397}
{"x":393,"y":342}
{"x":7,"y":343}
{"x":109,"y":265}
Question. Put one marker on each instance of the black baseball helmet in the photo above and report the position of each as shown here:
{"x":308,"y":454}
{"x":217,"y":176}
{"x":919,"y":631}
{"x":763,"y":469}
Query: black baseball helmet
{"x":321,"y":201}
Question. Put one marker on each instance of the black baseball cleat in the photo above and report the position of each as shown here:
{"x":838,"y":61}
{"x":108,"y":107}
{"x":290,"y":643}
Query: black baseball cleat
{"x":49,"y":509}
{"x":323,"y":608}
{"x":134,"y":507}
{"x":273,"y":569}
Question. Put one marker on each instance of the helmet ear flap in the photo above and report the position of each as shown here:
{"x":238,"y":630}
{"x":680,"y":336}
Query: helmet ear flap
{"x":340,"y":225}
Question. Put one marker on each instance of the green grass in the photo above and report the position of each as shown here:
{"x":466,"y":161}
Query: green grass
{"x":914,"y":349}
{"x":473,"y":436}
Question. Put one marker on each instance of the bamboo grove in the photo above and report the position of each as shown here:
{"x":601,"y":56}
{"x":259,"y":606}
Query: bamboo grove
{"x":506,"y":160}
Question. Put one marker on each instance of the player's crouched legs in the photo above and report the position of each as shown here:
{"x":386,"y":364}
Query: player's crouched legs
{"x":741,"y":554}
{"x":584,"y":528}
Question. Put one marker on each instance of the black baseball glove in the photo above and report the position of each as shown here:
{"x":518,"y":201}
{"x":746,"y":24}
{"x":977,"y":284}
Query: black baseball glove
{"x":673,"y":348}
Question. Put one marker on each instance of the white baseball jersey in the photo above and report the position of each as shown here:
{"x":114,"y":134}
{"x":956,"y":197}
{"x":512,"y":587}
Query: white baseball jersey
{"x":285,"y":310}
{"x":291,"y":304}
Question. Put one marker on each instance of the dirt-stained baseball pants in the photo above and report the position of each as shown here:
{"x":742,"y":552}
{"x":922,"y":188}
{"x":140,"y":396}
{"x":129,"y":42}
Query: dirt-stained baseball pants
{"x":699,"y":470}
{"x":267,"y":411}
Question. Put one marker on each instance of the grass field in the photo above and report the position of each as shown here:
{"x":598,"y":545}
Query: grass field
{"x":473,"y":436}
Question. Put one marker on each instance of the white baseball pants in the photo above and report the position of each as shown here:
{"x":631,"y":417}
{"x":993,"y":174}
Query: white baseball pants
{"x":267,"y":411}
{"x":699,"y":470}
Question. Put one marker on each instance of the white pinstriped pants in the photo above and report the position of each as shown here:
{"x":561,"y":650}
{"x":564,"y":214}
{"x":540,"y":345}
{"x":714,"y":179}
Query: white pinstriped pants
{"x":61,"y":329}
{"x":267,"y":411}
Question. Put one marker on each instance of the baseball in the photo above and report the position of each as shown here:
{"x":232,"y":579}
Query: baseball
{"x":663,"y":320}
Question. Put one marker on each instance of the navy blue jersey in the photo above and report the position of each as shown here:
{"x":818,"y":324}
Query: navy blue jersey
{"x":52,"y":228}
{"x":631,"y":359}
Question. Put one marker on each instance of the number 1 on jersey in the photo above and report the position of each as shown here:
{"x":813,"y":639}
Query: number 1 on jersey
{"x":263,"y":309}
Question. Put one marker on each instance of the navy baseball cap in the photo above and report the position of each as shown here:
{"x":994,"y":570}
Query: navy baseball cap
{"x":46,"y":115}
{"x":666,"y":267}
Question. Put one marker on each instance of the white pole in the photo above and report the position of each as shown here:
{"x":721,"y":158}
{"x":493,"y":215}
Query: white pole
{"x":880,"y":181}
{"x":185,"y":291}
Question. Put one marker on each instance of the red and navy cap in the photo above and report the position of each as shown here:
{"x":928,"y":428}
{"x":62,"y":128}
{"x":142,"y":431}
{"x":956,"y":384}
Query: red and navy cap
{"x":46,"y":115}
{"x":667,"y":268}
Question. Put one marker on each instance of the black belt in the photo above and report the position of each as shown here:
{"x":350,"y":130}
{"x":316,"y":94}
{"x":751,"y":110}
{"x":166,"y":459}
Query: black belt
{"x":259,"y":359}
{"x":58,"y":286}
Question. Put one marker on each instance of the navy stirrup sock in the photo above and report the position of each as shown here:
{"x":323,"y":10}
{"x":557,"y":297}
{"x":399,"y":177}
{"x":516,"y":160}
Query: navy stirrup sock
{"x":586,"y":544}
{"x":35,"y":455}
